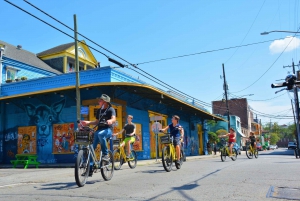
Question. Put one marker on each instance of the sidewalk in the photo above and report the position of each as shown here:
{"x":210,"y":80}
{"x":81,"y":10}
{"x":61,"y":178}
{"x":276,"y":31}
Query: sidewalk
{"x":139,"y":162}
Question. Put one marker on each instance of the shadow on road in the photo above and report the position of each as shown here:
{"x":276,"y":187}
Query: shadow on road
{"x":59,"y":186}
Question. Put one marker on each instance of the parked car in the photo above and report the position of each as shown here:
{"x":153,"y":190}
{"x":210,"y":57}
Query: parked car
{"x":272,"y":147}
{"x":238,"y":148}
{"x":292,"y":145}
{"x":258,"y":146}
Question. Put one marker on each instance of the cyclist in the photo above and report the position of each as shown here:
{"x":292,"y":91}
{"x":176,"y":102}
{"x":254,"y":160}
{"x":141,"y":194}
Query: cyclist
{"x":105,"y":117}
{"x":129,"y":129}
{"x":252,"y":140}
{"x":231,"y":139}
{"x":177,"y":133}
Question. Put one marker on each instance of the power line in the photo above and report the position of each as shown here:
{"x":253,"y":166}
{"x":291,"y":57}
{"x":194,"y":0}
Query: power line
{"x":247,"y":32}
{"x":158,"y":81}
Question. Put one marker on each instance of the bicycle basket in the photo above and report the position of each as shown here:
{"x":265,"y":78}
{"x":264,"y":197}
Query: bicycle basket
{"x":83,"y":137}
{"x":165,"y":139}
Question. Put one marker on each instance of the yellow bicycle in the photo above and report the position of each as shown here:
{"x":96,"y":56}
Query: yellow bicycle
{"x":225,"y":151}
{"x":120,"y":158}
{"x":250,"y":151}
{"x":169,"y":153}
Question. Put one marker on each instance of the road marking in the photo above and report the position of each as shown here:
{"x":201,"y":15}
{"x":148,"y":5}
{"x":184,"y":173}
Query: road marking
{"x":18,"y":184}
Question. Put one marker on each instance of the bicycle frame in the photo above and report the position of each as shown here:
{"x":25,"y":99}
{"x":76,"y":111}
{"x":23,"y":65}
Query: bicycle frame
{"x":123,"y":154}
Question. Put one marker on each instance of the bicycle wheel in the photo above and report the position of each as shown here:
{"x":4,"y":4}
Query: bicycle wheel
{"x":234,"y":154}
{"x":107,"y":168}
{"x":167,"y":159}
{"x":178,"y":165}
{"x":223,"y":155}
{"x":118,"y":159}
{"x":82,"y":168}
{"x":249,"y":153}
{"x":256,"y":153}
{"x":132,"y":160}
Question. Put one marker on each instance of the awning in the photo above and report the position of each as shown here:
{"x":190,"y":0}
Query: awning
{"x":241,"y":134}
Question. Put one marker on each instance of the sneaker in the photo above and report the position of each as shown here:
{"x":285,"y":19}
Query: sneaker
{"x":106,"y":158}
{"x":127,"y":157}
{"x":91,"y":173}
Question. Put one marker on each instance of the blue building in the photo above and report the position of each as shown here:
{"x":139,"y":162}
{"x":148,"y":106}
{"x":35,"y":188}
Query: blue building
{"x":38,"y":115}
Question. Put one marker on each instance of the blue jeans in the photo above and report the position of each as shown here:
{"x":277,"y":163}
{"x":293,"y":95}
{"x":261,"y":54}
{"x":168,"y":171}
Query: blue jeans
{"x":101,"y":136}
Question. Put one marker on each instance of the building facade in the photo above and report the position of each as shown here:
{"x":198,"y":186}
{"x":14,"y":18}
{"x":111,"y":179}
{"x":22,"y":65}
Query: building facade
{"x":39,"y":115}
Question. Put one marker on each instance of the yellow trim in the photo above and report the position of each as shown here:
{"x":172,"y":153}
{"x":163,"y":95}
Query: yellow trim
{"x":65,"y":64}
{"x":115,"y":84}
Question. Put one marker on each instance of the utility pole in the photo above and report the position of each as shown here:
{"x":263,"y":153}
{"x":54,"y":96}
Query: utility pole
{"x":225,"y":86}
{"x":296,"y":109}
{"x":295,"y":89}
{"x":78,"y":106}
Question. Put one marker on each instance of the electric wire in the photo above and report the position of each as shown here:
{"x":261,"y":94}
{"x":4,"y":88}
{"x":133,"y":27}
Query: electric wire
{"x":158,"y":81}
{"x":247,"y":32}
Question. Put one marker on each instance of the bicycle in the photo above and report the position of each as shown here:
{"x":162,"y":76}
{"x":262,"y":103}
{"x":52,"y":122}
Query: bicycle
{"x":250,"y":151}
{"x":84,"y":139}
{"x":224,"y":150}
{"x":120,"y":158}
{"x":169,"y":153}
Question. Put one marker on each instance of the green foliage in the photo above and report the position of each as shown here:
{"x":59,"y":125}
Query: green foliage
{"x":289,"y":132}
{"x":212,"y":137}
{"x":221,"y":132}
{"x":274,"y":138}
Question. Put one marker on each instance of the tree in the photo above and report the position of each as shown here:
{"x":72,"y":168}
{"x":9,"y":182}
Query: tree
{"x":274,"y":138}
{"x":212,"y":137}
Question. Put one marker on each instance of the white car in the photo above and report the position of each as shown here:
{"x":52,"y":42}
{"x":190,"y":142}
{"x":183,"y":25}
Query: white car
{"x":272,"y":147}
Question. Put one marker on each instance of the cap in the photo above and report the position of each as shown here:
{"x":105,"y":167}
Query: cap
{"x":105,"y":97}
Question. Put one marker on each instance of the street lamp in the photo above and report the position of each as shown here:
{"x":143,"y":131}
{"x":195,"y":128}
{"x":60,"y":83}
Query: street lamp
{"x":295,"y":95}
{"x":267,"y":32}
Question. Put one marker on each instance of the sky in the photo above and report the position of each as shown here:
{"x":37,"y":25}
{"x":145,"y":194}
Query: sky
{"x":187,"y":43}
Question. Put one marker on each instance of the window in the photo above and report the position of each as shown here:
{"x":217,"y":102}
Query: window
{"x":71,"y":67}
{"x":11,"y":73}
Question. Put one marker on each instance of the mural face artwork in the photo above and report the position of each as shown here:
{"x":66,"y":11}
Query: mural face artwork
{"x":43,"y":117}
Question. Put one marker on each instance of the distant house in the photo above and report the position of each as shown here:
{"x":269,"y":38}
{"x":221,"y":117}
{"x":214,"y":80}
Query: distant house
{"x":17,"y":63}
{"x":62,"y":58}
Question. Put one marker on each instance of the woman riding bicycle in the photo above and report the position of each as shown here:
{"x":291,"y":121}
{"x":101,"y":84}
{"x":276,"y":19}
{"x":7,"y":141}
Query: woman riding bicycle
{"x":231,"y":139}
{"x":177,"y":133}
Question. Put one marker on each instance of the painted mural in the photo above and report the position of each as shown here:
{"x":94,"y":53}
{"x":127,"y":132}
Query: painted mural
{"x":27,"y":140}
{"x":10,"y":140}
{"x":43,"y":117}
{"x":63,"y":138}
{"x":138,"y":144}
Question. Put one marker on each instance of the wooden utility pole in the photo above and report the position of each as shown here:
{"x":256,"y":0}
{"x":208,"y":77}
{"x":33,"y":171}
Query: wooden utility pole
{"x":78,"y":106}
{"x":225,"y":86}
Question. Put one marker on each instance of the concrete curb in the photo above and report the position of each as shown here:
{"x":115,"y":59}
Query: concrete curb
{"x":139,"y":162}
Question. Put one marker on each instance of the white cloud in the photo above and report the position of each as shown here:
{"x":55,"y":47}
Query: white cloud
{"x":279,"y":45}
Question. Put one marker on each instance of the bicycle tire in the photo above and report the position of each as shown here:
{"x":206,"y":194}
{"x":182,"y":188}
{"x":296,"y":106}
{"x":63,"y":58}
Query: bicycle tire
{"x":82,"y":168}
{"x":107,"y":170}
{"x":133,"y":160}
{"x":249,"y":153}
{"x":167,"y":159}
{"x":256,"y":153}
{"x":178,"y":165}
{"x":234,"y":154}
{"x":223,"y":155}
{"x":118,"y":159}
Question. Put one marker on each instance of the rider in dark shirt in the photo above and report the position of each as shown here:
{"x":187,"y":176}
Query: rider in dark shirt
{"x":177,"y":132}
{"x":252,"y":140}
{"x":129,"y":129}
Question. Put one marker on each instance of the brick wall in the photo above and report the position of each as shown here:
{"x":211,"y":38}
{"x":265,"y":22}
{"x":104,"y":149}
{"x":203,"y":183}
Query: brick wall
{"x":236,"y":107}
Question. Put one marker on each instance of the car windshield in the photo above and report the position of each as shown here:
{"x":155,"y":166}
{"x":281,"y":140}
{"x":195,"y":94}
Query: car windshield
{"x":291,"y":143}
{"x":258,"y":144}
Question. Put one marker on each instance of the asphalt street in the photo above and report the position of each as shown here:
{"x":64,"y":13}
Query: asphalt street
{"x":273,"y":176}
